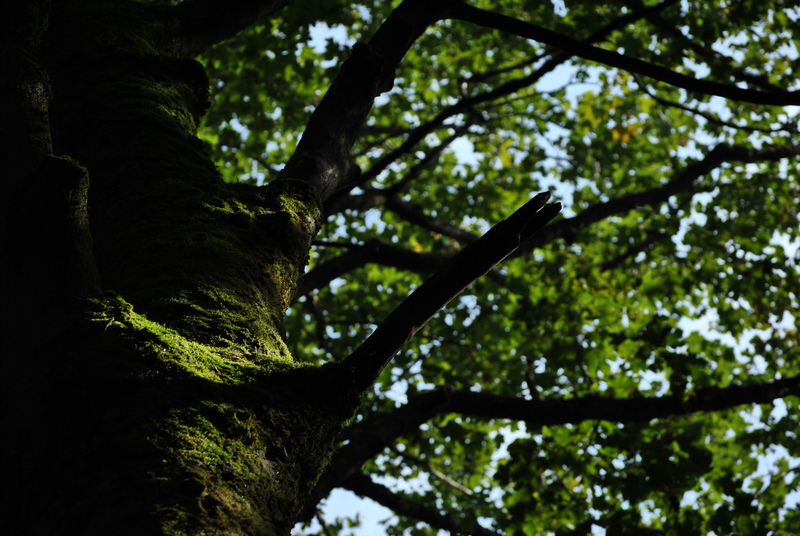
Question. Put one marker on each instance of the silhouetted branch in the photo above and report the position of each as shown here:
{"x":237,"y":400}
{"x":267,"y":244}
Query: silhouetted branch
{"x":374,"y":197}
{"x":684,"y":182}
{"x":203,"y":23}
{"x":414,"y":214}
{"x":368,"y":439}
{"x":372,"y":251}
{"x":383,"y":430}
{"x":322,"y":157}
{"x":416,"y":310}
{"x":467,"y":104}
{"x":497,"y":21}
{"x":429,"y":159}
{"x":637,"y":409}
{"x":653,"y":237}
{"x":617,"y":24}
{"x":363,"y":486}
{"x":708,"y":54}
{"x":313,"y":307}
{"x":367,"y":361}
{"x":428,"y":468}
{"x":566,"y":228}
{"x":325,"y":528}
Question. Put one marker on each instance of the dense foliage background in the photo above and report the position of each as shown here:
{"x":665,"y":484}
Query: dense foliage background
{"x":671,"y":273}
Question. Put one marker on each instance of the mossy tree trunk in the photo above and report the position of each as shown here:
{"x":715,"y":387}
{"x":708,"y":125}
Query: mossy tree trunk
{"x":147,"y":388}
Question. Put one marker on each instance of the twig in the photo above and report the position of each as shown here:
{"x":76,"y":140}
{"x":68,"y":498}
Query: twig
{"x":432,"y":470}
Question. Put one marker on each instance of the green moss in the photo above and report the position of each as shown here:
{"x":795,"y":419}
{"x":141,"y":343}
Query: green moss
{"x":221,"y":447}
{"x":238,"y":446}
{"x":220,"y":364}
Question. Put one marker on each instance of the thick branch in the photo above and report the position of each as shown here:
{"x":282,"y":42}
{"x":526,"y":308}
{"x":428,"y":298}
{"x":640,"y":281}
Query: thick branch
{"x":490,"y":19}
{"x":363,"y":486}
{"x":323,"y":155}
{"x":203,"y":23}
{"x":568,"y":228}
{"x":472,"y":262}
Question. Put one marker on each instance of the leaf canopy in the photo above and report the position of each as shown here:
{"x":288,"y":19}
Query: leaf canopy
{"x":672,"y":271}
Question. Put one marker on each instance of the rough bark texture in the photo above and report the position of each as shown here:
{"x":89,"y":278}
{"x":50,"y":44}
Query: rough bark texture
{"x":147,"y":388}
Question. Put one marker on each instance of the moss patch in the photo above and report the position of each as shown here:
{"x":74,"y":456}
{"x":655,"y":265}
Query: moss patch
{"x":236,"y":447}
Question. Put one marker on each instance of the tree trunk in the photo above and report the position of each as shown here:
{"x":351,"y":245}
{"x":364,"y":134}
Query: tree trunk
{"x":147,"y":386}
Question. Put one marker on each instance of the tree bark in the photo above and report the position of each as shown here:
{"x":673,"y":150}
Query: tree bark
{"x":147,"y":385}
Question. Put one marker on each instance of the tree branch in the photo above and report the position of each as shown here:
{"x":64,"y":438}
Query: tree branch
{"x":414,"y":214}
{"x":708,"y":54}
{"x":637,"y":13}
{"x":685,"y":181}
{"x":473,"y":261}
{"x":312,"y":305}
{"x":432,"y":470}
{"x":637,"y":409}
{"x":468,"y":103}
{"x":323,"y":155}
{"x":653,"y":237}
{"x":383,"y":430}
{"x":202,"y":23}
{"x":363,"y":486}
{"x":368,"y":439}
{"x":325,"y":528}
{"x":429,"y":158}
{"x":377,"y":196}
{"x":567,"y":229}
{"x":373,"y":251}
{"x":497,"y":21}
